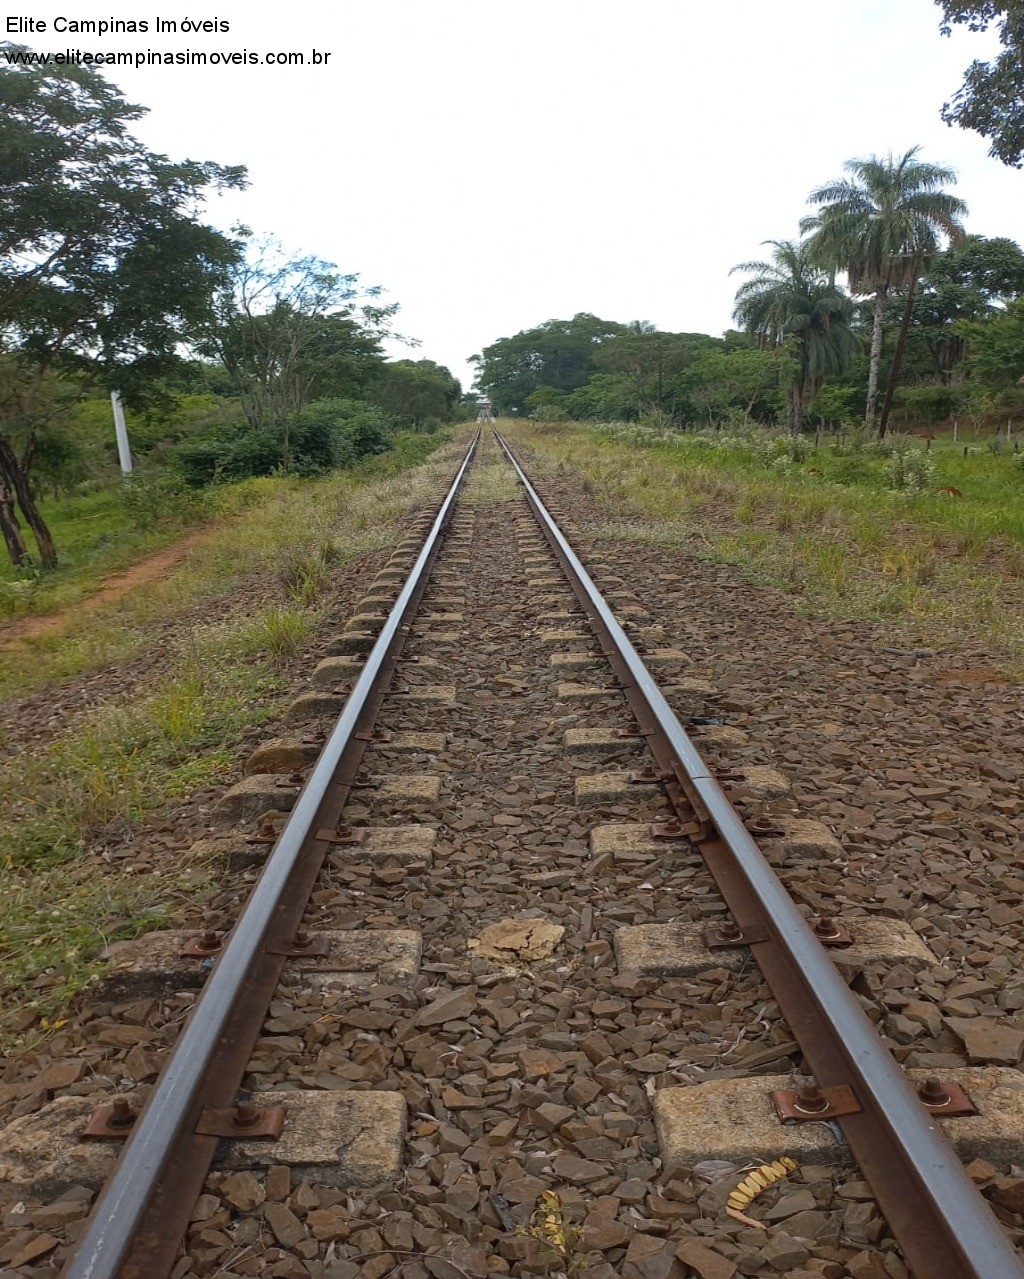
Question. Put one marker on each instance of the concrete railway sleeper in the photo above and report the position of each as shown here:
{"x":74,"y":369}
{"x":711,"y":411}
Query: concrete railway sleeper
{"x":451,"y":963}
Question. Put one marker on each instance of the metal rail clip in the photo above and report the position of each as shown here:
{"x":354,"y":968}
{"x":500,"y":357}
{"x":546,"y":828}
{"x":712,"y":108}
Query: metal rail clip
{"x":301,"y":944}
{"x":946,"y":1099}
{"x":113,"y":1121}
{"x":245,"y":1121}
{"x":344,"y":835}
{"x":202,"y":946}
{"x":812,"y":1104}
{"x":728,"y":934}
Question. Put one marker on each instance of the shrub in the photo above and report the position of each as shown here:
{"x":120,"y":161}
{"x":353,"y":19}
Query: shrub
{"x":154,"y":495}
{"x":342,"y":432}
{"x":226,"y":453}
{"x":322,"y":436}
{"x":910,"y":469}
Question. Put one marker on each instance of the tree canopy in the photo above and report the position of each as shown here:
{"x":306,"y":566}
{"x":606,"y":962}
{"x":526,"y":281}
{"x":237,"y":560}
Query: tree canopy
{"x":417,"y":393}
{"x":557,"y":353}
{"x":790,"y":301}
{"x":991,"y":99}
{"x":105,"y":268}
{"x":881,"y":225}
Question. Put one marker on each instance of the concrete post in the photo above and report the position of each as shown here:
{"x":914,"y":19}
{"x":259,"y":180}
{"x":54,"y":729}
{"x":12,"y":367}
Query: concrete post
{"x":124,"y":452}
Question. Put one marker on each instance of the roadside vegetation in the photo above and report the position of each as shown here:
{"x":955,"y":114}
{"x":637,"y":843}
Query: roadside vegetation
{"x":233,"y":356}
{"x":274,"y":522}
{"x":262,"y":417}
{"x":855,"y":440}
{"x":73,"y":878}
{"x":855,"y":528}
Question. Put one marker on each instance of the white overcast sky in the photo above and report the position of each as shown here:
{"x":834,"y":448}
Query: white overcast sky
{"x":497,"y":164}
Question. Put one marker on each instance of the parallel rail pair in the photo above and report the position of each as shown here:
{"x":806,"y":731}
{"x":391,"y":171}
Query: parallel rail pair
{"x":942,"y":1224}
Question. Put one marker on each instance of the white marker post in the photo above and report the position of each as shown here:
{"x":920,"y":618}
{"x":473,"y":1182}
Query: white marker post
{"x":124,"y":452}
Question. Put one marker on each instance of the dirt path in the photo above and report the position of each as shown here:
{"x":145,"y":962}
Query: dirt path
{"x":118,"y":584}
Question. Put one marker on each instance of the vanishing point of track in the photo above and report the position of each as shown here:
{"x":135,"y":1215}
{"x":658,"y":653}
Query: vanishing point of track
{"x":941,"y":1222}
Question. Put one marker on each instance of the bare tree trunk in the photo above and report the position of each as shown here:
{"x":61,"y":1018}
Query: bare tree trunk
{"x":15,"y":477}
{"x":897,"y":358}
{"x":876,"y":356}
{"x":794,"y":397}
{"x":11,"y":530}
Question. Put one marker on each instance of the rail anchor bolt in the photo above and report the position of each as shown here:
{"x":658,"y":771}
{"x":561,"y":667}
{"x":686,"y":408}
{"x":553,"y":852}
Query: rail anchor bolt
{"x":811,"y":1100}
{"x":646,"y":776}
{"x":247,"y":1115}
{"x":121,"y":1113}
{"x":945,"y":1098}
{"x":830,"y":932}
{"x":246,"y":1121}
{"x":209,"y":943}
{"x":113,"y":1120}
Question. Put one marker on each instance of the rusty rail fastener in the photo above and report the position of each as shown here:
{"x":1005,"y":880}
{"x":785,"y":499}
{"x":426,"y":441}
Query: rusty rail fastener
{"x":209,"y":943}
{"x":764,"y":828}
{"x":649,"y":775}
{"x":302,"y":945}
{"x":344,"y":835}
{"x":246,"y":1121}
{"x":113,"y":1120}
{"x":729,"y":934}
{"x":942,"y":1097}
{"x":811,"y":1103}
{"x":830,"y":932}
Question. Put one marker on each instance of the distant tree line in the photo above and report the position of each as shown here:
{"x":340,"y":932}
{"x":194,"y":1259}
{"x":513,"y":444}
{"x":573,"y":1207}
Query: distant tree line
{"x":929,"y":326}
{"x":234,"y":357}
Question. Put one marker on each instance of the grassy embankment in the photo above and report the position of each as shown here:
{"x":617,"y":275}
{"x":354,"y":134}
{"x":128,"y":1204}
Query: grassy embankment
{"x":64,"y":899}
{"x":854,"y":531}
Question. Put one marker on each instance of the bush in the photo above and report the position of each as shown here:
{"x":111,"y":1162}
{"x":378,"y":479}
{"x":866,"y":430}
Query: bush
{"x":226,"y":453}
{"x":342,"y":432}
{"x":322,"y":436}
{"x":910,"y":470}
{"x":154,"y":495}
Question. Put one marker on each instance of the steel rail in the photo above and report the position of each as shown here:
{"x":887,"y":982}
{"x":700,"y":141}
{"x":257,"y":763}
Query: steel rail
{"x":135,"y":1192}
{"x":940,"y":1220}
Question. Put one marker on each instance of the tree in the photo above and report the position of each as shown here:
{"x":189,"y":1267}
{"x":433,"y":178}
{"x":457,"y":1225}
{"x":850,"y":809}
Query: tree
{"x":745,"y":380}
{"x":969,"y":282}
{"x":605,"y":397}
{"x":419,"y":393}
{"x":792,"y":302}
{"x":292,"y":330}
{"x":991,"y":99}
{"x":558,"y":353}
{"x":881,"y":226}
{"x":104,"y":268}
{"x":649,"y":359}
{"x":996,"y":345}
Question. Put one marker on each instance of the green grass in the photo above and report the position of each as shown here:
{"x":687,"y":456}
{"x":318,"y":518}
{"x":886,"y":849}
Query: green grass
{"x":280,"y":527}
{"x":103,"y":532}
{"x":94,"y":536}
{"x":69,"y":800}
{"x":854,"y":531}
{"x":91,"y":787}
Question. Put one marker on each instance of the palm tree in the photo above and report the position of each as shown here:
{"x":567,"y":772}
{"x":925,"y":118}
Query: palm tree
{"x":880,"y":226}
{"x":791,"y":301}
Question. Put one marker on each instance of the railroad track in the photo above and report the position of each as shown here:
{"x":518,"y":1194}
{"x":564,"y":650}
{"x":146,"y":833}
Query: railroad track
{"x":487,"y":599}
